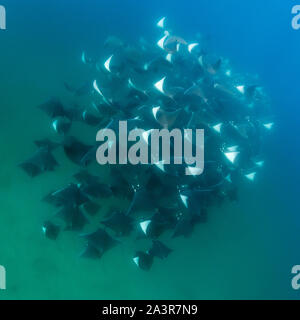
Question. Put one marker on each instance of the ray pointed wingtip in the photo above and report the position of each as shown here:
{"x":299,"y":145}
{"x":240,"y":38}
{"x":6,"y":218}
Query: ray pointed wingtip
{"x":217,"y":127}
{"x":268,"y":125}
{"x":107,"y":63}
{"x":95,"y":86}
{"x":192,"y":46}
{"x":159,"y":85}
{"x":83,"y":57}
{"x":161,"y":42}
{"x":241,"y":88}
{"x":169,"y":57}
{"x":231,"y":155}
{"x":250,"y":176}
{"x":145,"y":225}
{"x":161,"y":23}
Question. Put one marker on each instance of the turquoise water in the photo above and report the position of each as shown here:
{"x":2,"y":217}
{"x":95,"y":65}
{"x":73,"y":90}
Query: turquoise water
{"x":244,"y":251}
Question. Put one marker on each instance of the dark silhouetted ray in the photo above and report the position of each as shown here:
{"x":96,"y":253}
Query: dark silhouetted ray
{"x":143,"y":260}
{"x":159,"y":250}
{"x":120,"y":223}
{"x":90,"y":252}
{"x":69,"y":195}
{"x":61,"y":125}
{"x":40,"y":162}
{"x":46,"y":143}
{"x":50,"y":230}
{"x":73,"y":217}
{"x":100,"y":240}
{"x":75,"y":150}
{"x":184,"y":226}
{"x":53,"y":108}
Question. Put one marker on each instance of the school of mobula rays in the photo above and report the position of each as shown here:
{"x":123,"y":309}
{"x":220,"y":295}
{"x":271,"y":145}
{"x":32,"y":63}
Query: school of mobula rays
{"x":172,"y":84}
